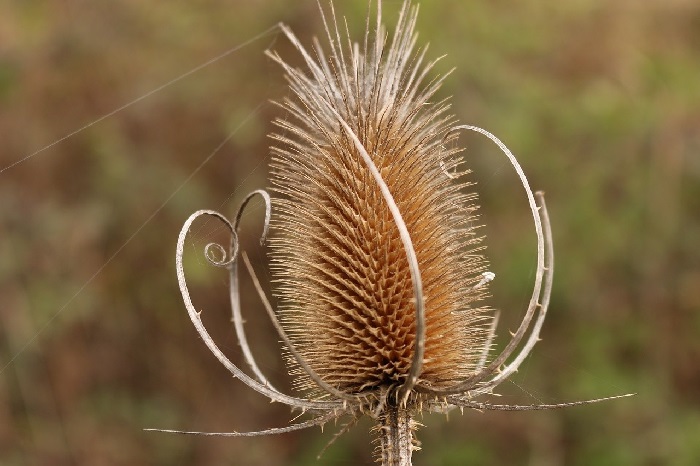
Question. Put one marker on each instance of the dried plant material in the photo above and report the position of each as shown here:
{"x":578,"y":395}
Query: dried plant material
{"x":344,"y":279}
{"x":377,"y":264}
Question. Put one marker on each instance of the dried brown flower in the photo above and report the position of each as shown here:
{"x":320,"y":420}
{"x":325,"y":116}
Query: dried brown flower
{"x":346,"y":287}
{"x":376,"y":261}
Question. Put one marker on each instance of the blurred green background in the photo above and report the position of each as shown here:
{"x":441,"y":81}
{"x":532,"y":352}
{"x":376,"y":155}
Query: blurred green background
{"x":599,"y":99}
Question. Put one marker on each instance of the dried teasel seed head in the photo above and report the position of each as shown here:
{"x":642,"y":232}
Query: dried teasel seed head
{"x":340,"y":269}
{"x":374,"y":252}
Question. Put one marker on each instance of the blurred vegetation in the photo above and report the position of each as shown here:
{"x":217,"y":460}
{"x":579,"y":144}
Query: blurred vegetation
{"x":599,"y":99}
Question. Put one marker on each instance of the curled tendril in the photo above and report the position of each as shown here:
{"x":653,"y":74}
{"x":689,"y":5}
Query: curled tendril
{"x":268,"y":212}
{"x":539,"y":213}
{"x":224,"y":260}
{"x":216,"y":254}
{"x":262,"y":388}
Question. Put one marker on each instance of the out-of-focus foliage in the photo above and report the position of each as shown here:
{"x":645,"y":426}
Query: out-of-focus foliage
{"x":599,"y":99}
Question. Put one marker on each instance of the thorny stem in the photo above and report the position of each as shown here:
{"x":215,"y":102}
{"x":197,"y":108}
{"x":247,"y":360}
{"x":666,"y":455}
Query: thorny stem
{"x":396,"y":427}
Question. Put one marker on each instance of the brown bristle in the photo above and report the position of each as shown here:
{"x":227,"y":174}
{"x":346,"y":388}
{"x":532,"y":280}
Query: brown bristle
{"x":341,"y":273}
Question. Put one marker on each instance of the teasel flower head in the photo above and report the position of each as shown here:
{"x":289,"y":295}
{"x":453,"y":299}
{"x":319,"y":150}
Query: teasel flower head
{"x":377,"y":262}
{"x":368,"y":211}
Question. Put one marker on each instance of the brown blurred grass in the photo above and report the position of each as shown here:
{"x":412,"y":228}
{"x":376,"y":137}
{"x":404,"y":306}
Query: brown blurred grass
{"x":600,"y":100}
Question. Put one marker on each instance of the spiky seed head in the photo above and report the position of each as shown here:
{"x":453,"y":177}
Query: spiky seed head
{"x":341,"y":274}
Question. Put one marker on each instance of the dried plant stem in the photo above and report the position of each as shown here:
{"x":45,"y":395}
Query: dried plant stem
{"x":396,"y":427}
